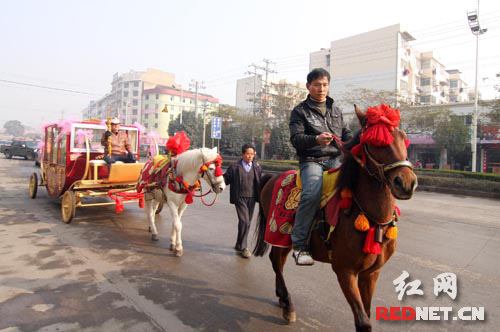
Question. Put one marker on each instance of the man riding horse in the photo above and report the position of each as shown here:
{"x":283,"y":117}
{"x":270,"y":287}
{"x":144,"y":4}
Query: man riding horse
{"x":313,"y":125}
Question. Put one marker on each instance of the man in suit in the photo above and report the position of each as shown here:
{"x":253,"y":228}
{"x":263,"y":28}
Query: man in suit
{"x":244,"y":178}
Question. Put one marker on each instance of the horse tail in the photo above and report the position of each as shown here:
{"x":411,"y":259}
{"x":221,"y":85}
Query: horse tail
{"x":261,"y":246}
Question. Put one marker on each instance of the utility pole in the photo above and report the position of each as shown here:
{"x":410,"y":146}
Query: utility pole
{"x":254,"y":108}
{"x":182,"y":104}
{"x":266,"y":102}
{"x":198,"y":85}
{"x":473,"y":18}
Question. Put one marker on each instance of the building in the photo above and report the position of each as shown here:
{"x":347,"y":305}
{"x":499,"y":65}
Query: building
{"x":124,"y":100}
{"x":162,"y":104}
{"x":384,"y":60}
{"x":248,"y":92}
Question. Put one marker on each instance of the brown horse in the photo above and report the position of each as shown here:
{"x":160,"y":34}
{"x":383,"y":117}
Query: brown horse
{"x":386,"y":176}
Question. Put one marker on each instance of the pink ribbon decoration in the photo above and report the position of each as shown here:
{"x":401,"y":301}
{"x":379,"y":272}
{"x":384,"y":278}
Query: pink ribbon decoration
{"x":81,"y":134}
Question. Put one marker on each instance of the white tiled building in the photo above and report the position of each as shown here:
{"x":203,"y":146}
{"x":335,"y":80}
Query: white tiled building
{"x":384,"y":59}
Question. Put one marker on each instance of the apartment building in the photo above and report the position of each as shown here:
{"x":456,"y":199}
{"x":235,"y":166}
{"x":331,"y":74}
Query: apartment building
{"x":384,"y":60}
{"x":248,"y":90}
{"x":124,"y":100}
{"x":163,"y":104}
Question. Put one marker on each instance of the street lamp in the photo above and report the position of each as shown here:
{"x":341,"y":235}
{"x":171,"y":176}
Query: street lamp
{"x":475,"y":28}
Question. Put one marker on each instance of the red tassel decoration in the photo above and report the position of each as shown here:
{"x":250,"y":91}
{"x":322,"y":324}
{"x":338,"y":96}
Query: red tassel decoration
{"x":141,"y":202}
{"x":371,"y":246}
{"x":119,"y":206}
{"x":189,"y":197}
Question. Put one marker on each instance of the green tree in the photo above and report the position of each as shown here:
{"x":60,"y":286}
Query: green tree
{"x":14,"y":127}
{"x":451,"y":134}
{"x":192,"y":125}
{"x":494,"y":107}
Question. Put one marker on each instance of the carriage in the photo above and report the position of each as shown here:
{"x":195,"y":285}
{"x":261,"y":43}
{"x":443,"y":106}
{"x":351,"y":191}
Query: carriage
{"x":72,"y":166}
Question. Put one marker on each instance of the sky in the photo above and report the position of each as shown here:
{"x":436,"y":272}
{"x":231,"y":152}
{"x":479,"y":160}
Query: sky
{"x":74,"y":47}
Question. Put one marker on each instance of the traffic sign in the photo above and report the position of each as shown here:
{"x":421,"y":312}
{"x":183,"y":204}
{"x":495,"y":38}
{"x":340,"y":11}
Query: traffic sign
{"x":216,"y":127}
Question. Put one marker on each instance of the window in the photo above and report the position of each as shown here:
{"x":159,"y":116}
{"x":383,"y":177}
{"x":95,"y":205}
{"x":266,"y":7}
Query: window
{"x":425,"y":81}
{"x":147,"y":97}
{"x":157,"y":96}
{"x":135,"y":102}
{"x":156,"y":116}
{"x":425,"y":99}
{"x":156,"y":125}
{"x":134,"y":112}
{"x":328,"y":59}
{"x":146,"y":116}
{"x":146,"y":107}
{"x":136,"y":84}
{"x":171,"y":117}
{"x":172,"y":107}
{"x":146,"y":125}
{"x":433,"y":99}
{"x":156,"y":106}
{"x":125,"y":85}
{"x":123,"y":103}
{"x":172,"y":98}
{"x":453,"y":98}
{"x":135,"y":93}
{"x":125,"y":94}
{"x":453,"y":84}
{"x":426,"y":64}
{"x":403,"y":85}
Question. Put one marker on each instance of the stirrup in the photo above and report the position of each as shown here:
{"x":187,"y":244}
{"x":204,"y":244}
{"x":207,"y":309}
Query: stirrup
{"x":303,"y":258}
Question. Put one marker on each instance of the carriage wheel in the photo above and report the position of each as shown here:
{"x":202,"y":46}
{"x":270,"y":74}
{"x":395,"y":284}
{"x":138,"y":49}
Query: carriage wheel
{"x":68,"y":206}
{"x":33,"y":185}
{"x":160,"y":207}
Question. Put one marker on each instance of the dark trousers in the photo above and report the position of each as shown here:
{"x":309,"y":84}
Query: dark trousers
{"x":244,"y":209}
{"x":126,"y":158}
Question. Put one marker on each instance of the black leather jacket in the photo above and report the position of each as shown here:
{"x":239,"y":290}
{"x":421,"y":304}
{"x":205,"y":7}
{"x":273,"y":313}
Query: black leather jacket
{"x":306,"y":123}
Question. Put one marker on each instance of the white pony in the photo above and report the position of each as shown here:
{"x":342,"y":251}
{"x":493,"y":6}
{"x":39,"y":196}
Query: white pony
{"x":189,"y":166}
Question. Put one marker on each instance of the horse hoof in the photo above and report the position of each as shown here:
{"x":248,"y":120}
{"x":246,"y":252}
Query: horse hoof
{"x":154,"y":237}
{"x":178,"y":253}
{"x":290,"y":317}
{"x":172,"y":247}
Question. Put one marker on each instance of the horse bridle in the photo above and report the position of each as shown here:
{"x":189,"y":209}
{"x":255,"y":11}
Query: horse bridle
{"x":208,"y":176}
{"x":381,"y":169}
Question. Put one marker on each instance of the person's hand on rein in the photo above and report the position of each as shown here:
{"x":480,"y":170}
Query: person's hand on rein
{"x":324,"y":138}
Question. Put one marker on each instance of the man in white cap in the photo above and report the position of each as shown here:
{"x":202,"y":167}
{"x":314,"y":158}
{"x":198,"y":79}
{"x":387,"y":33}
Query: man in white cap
{"x":120,"y":147}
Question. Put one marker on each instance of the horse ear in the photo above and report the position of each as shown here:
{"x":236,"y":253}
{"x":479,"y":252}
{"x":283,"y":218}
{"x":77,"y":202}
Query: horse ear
{"x":214,"y":149}
{"x":361,"y":116}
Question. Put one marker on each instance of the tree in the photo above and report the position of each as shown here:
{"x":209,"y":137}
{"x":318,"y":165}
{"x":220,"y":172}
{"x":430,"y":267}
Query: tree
{"x":192,"y":125}
{"x":451,"y":135}
{"x":364,"y":98}
{"x":494,"y":107}
{"x":14,"y":128}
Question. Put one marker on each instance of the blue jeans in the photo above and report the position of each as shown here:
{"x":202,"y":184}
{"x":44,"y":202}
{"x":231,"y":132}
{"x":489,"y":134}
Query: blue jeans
{"x":126,"y":158}
{"x":311,"y":176}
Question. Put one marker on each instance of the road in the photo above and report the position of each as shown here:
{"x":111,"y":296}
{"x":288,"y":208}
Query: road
{"x":103,"y":273}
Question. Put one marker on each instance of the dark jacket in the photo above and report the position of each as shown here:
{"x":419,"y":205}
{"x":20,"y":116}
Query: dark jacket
{"x":232,"y":177}
{"x":306,"y":123}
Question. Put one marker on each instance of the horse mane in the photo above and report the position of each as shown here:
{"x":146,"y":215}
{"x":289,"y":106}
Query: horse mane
{"x":193,"y":159}
{"x":348,"y":177}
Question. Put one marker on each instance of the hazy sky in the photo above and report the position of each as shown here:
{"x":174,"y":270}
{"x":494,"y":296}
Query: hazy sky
{"x":79,"y":45}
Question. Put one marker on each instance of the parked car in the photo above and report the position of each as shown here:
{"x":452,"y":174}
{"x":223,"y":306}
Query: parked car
{"x":26,"y":149}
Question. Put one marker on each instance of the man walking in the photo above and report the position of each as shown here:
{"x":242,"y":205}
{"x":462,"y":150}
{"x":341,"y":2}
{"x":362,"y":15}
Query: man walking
{"x":313,"y":125}
{"x":244,"y":178}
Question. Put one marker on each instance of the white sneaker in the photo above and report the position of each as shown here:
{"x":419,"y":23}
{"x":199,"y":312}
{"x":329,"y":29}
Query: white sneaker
{"x":303,"y":257}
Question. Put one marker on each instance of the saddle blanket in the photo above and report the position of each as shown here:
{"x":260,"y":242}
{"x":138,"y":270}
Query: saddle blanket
{"x":154,"y":174}
{"x":285,"y":200}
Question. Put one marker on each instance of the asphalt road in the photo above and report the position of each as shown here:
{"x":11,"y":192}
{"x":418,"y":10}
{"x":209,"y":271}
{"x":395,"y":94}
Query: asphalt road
{"x":103,"y":273}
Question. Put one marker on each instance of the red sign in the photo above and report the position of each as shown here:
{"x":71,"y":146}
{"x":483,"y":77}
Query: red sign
{"x":489,"y":133}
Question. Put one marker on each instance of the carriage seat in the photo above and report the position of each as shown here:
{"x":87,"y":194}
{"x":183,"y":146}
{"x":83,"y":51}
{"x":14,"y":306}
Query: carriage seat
{"x":122,"y":172}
